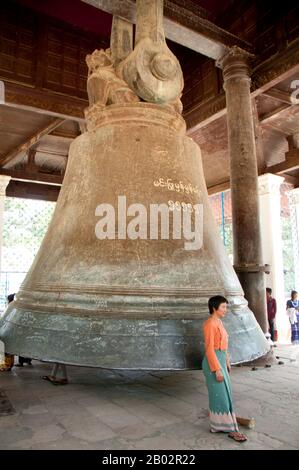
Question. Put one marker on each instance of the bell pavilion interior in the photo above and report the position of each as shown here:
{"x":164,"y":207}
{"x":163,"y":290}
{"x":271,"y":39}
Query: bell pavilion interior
{"x":191,"y":104}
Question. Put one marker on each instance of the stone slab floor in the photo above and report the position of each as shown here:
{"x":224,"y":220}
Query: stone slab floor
{"x":103,"y":409}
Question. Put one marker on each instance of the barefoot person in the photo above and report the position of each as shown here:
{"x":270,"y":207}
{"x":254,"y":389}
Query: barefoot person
{"x":293,"y":313}
{"x":216,"y":368}
{"x":9,"y":359}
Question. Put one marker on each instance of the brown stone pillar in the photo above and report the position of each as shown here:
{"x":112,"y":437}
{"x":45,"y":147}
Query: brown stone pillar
{"x":4,"y":180}
{"x":244,"y":182}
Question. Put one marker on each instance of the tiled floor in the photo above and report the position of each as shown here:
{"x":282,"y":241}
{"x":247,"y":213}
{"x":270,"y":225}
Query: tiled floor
{"x":102,"y":409}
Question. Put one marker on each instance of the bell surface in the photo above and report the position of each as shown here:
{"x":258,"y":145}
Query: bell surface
{"x":121,"y":302}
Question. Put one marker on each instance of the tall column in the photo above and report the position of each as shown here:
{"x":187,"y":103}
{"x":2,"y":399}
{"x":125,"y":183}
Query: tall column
{"x":293,"y":196}
{"x":4,"y":180}
{"x":270,"y":219}
{"x":244,"y":181}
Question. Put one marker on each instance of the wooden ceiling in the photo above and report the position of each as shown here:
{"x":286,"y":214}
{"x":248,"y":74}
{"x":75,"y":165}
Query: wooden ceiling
{"x":43,"y":69}
{"x":278,"y":123}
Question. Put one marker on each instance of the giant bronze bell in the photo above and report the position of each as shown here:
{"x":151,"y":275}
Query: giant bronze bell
{"x":122,"y":302}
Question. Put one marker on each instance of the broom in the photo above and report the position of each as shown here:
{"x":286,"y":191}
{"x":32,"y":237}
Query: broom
{"x":247,"y":422}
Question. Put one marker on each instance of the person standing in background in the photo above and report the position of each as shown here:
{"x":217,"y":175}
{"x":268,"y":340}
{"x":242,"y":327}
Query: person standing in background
{"x":271,"y":309}
{"x":9,"y":359}
{"x":293,"y":314}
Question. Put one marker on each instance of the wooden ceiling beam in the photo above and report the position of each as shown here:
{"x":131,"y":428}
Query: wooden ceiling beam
{"x":65,"y":134}
{"x":266,"y":75}
{"x":31,"y":159}
{"x":268,"y":117}
{"x":44,"y":102}
{"x":218,"y":188}
{"x":278,"y":95}
{"x":55,"y":153}
{"x":182,"y":26}
{"x":289,"y":164}
{"x":291,"y":180}
{"x":28,"y":190}
{"x":29,"y":143}
{"x":33,"y":176}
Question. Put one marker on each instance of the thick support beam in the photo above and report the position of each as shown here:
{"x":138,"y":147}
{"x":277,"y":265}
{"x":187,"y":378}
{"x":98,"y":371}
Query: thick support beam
{"x":279,"y":95}
{"x":121,"y":41}
{"x":29,"y":143}
{"x":291,"y":180}
{"x":31,"y":159}
{"x":272,"y":115}
{"x":181,"y":26}
{"x":26,"y":190}
{"x":244,"y":182}
{"x":43,"y":101}
{"x":218,"y":188}
{"x":291,"y":163}
{"x":33,"y":176}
